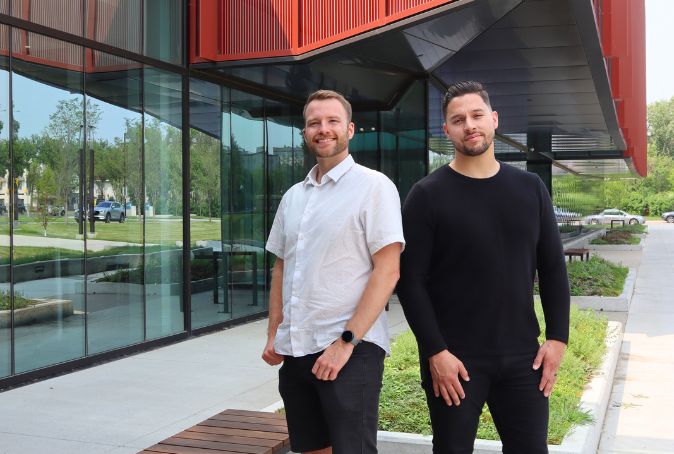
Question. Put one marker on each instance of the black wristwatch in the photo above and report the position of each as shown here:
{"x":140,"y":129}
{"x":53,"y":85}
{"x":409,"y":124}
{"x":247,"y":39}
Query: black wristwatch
{"x":347,"y":336}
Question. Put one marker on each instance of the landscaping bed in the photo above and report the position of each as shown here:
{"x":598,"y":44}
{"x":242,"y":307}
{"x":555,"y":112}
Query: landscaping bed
{"x":403,"y":403}
{"x":594,"y":277}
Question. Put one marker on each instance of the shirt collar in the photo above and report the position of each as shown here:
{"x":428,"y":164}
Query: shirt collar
{"x":334,"y":174}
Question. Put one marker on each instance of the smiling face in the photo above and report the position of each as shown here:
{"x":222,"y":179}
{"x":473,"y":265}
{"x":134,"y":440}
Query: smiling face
{"x":327,"y":130}
{"x":470,"y":124}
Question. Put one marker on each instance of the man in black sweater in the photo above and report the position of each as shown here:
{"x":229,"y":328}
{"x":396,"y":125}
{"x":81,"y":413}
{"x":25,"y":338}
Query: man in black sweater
{"x":477,"y":231}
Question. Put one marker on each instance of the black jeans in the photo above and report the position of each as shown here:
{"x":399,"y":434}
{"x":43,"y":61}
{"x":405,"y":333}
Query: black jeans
{"x":509,"y":386}
{"x":342,"y":413}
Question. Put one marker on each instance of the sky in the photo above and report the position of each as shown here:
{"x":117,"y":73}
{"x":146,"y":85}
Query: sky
{"x":659,"y":50}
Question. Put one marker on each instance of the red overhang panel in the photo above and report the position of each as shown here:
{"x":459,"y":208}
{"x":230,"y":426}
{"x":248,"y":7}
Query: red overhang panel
{"x":623,"y":28}
{"x":225,"y":30}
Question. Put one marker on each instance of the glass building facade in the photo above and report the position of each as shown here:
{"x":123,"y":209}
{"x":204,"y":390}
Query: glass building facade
{"x":136,"y":197}
{"x":137,"y":190}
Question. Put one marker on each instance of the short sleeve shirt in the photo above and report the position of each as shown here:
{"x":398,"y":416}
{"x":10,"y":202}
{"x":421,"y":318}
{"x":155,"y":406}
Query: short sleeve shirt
{"x":326,"y":233}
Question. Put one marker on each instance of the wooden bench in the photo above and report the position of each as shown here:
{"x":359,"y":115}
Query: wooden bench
{"x":582,"y":253}
{"x":230,"y":432}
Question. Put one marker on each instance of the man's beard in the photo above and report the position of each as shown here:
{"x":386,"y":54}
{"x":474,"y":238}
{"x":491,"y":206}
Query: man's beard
{"x":476,"y":150}
{"x":341,"y":144}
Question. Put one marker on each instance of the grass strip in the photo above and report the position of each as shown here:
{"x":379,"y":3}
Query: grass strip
{"x":403,"y":408}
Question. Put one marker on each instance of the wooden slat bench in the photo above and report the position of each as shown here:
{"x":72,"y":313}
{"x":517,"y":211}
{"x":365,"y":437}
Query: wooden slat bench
{"x":582,"y":253}
{"x":230,"y":432}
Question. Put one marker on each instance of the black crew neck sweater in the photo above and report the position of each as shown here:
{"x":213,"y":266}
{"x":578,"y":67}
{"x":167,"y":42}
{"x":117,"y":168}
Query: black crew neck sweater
{"x":473,"y":246}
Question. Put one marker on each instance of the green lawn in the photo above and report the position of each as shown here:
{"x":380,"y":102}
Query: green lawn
{"x":157,"y":231}
{"x":403,"y":404}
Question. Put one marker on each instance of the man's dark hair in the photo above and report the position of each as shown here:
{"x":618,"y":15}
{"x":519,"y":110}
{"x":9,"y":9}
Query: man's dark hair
{"x":464,"y":88}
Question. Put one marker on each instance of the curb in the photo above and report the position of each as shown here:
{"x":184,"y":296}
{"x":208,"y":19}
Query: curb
{"x":619,"y":303}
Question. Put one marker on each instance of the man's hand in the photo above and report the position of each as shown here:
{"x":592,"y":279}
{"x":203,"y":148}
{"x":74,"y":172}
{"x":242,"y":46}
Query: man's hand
{"x":269,"y":355}
{"x":550,"y":355}
{"x":445,"y":371}
{"x":328,"y":365}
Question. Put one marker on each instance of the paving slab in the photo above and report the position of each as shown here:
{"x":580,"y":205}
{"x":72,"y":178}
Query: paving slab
{"x":639,"y":418}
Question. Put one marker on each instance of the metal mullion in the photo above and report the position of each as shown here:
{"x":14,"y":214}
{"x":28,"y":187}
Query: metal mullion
{"x":142,"y":197}
{"x":187,"y":271}
{"x":187,"y":300}
{"x":90,"y":43}
{"x":10,"y":213}
{"x":85,"y":149}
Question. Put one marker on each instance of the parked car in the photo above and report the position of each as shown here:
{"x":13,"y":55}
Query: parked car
{"x":668,"y":216}
{"x":56,"y":210}
{"x":606,"y":216}
{"x":106,"y":211}
{"x":563,"y":215}
{"x":3,"y":208}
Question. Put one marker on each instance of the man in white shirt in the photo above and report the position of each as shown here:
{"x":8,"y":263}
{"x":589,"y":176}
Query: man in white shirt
{"x":337,"y":237}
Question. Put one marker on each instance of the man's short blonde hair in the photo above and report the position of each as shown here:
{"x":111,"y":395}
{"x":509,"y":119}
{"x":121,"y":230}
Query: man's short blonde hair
{"x":321,"y":95}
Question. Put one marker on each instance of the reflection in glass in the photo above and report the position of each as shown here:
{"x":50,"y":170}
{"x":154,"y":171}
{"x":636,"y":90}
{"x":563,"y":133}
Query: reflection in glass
{"x":246,"y":215}
{"x":48,"y":108}
{"x":117,"y":23}
{"x":163,"y":275}
{"x":115,"y":240}
{"x":163,"y":30}
{"x":403,"y":140}
{"x":440,"y":150}
{"x":5,"y":335}
{"x":209,"y":291}
{"x":365,"y":142}
{"x":52,"y":14}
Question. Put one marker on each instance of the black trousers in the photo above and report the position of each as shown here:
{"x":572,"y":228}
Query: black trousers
{"x":509,"y":386}
{"x":342,"y":413}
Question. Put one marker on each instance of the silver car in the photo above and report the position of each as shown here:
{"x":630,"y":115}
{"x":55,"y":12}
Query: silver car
{"x":109,"y":211}
{"x":668,"y":216}
{"x":607,"y":216}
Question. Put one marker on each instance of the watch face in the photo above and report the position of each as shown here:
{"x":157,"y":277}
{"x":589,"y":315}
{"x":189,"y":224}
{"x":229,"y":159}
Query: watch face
{"x":347,"y":336}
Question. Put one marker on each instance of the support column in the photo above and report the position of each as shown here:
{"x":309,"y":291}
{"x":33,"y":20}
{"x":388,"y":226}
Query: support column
{"x":537,"y":143}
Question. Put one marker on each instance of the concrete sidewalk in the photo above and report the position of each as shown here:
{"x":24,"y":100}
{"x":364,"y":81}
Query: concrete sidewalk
{"x":640,"y":417}
{"x":126,"y":405}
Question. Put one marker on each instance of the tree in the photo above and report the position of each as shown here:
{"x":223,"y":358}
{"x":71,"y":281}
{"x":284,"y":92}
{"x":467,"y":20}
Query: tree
{"x":205,"y":173}
{"x":65,"y":127}
{"x":45,"y":185}
{"x":661,"y":127}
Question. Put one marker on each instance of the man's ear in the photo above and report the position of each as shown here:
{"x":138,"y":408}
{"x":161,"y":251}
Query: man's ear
{"x":351,"y":130}
{"x":494,"y":116}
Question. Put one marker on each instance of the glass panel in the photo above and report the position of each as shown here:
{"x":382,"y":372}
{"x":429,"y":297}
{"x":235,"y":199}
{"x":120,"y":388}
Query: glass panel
{"x":163,"y":30}
{"x":163,"y":204}
{"x":117,"y":23}
{"x":440,"y":150}
{"x":365,"y":142}
{"x":115,"y":243}
{"x":64,"y":15}
{"x":247,"y":210}
{"x":210,"y":298}
{"x":403,"y":140}
{"x":5,"y":335}
{"x":48,"y":249}
{"x":4,"y":8}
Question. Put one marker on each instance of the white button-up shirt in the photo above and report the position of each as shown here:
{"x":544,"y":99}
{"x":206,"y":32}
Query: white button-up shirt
{"x":326,"y":233}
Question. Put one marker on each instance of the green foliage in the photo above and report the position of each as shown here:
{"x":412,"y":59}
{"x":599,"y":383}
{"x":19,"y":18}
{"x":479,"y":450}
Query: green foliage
{"x":596,"y":277}
{"x":19,"y":301}
{"x":661,"y":126}
{"x":615,"y":236}
{"x":402,"y":406}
